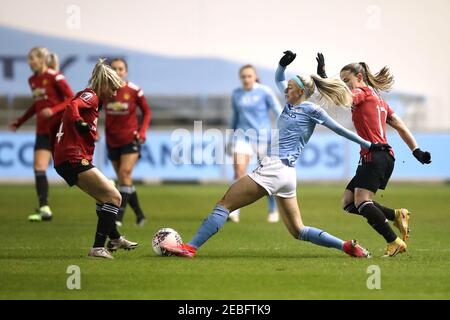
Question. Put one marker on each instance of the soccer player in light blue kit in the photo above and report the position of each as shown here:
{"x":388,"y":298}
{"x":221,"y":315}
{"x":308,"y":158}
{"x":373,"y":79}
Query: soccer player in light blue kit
{"x":276,"y":174}
{"x":251,"y":122}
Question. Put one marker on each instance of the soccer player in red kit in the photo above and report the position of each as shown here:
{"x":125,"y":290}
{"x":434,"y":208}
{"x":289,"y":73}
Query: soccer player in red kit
{"x":73,"y":153}
{"x":51,"y":92}
{"x":370,"y":114}
{"x":124,"y":137}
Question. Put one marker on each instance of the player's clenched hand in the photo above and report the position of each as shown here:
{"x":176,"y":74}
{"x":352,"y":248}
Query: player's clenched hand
{"x":424,"y":157}
{"x":321,"y":65}
{"x":14,"y":125}
{"x":82,"y":127}
{"x":138,"y":138}
{"x":379,"y":147}
{"x":288,"y":57}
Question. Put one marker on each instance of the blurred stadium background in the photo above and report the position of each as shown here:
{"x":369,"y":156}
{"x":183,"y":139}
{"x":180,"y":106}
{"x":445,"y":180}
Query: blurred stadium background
{"x":185,"y":55}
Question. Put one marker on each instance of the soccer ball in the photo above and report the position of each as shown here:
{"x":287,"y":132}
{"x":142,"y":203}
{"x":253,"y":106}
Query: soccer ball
{"x":165,"y":236}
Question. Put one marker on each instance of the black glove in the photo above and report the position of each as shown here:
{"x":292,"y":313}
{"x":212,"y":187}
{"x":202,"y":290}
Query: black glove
{"x":82,"y":127}
{"x":321,"y":65}
{"x":379,"y":147}
{"x":424,"y":157}
{"x":288,"y":57}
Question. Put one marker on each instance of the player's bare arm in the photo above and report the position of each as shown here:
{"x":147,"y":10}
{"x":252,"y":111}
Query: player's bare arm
{"x":397,"y":123}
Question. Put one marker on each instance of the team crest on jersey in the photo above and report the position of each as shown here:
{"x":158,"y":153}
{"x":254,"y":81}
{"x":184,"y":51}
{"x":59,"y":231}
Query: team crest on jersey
{"x":84,"y":162}
{"x":44,"y":82}
{"x":86,"y":96}
{"x":126,"y":96}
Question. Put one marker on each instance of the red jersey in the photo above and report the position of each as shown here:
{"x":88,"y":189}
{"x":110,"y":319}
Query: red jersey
{"x":369,"y":115}
{"x":50,"y":90}
{"x":71,"y":145}
{"x":121,"y":118}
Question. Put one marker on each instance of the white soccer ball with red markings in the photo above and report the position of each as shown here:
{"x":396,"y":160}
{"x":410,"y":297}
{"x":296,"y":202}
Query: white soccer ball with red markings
{"x":165,"y":236}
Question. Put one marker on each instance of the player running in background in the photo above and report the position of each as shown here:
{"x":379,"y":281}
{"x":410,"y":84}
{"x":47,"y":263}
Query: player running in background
{"x":251,"y":105}
{"x":370,"y":113}
{"x":50,"y":92}
{"x":124,"y":137}
{"x":74,"y":148}
{"x":276,"y":174}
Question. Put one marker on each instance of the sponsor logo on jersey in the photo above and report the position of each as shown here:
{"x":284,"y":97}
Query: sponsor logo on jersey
{"x":117,"y":107}
{"x":39,"y":94}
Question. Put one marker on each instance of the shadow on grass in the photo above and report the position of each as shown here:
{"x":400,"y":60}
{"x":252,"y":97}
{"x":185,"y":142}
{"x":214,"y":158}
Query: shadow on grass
{"x":250,"y":256}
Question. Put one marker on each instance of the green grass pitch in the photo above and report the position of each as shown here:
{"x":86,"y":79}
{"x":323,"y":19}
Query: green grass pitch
{"x":249,"y":260}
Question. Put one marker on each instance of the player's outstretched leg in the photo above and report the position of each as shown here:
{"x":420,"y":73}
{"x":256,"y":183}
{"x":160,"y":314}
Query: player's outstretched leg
{"x":290,"y":212}
{"x":242,"y":193}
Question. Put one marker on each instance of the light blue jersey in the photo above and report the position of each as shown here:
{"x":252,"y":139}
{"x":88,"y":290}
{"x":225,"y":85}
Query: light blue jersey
{"x":296,"y":124}
{"x":251,"y":109}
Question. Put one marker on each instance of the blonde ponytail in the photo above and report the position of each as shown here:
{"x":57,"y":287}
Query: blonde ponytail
{"x":103,"y":77}
{"x":381,"y":81}
{"x":331,"y":92}
{"x":53,"y":61}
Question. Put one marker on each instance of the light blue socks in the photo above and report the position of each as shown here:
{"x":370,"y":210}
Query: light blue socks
{"x":321,"y":238}
{"x":210,"y":226}
{"x":219,"y":215}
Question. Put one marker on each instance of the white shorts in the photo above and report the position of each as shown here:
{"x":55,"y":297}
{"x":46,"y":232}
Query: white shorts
{"x":250,"y":148}
{"x":277,"y":178}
